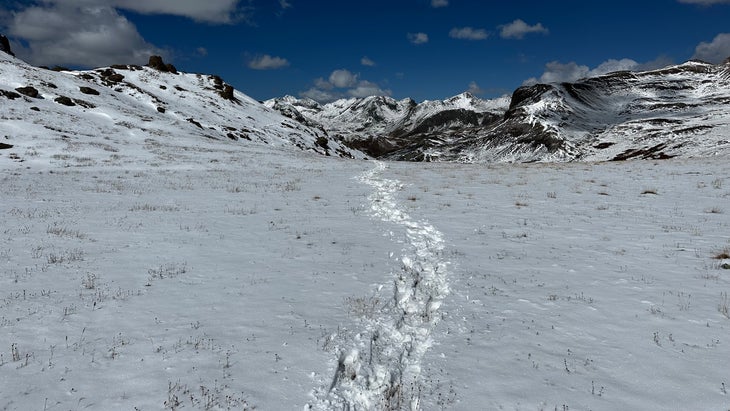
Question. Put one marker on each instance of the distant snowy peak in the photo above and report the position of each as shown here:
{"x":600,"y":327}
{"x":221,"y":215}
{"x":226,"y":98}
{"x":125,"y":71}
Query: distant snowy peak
{"x":154,"y":102}
{"x":379,"y":125}
{"x":681,"y":110}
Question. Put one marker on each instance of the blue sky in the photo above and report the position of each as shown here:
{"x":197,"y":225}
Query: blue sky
{"x":423,"y":49}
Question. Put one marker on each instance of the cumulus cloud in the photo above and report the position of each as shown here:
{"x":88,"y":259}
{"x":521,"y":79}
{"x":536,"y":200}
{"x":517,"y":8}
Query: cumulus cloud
{"x":366,"y":89}
{"x":267,"y":62}
{"x":468,"y":33}
{"x":323,"y":84}
{"x":475,"y":89}
{"x":77,"y":35}
{"x":418,"y":38}
{"x":322,"y":96}
{"x":715,"y":51}
{"x":90,"y":33}
{"x":705,"y":2}
{"x":518,"y":29}
{"x":343,"y":78}
{"x":439,"y":3}
{"x":342,"y":83}
{"x":557,"y":72}
{"x":213,"y":11}
{"x":366,"y":61}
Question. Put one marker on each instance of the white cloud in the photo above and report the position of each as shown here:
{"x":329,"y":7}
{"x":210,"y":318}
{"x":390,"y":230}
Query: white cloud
{"x":557,"y":72}
{"x":343,"y":78}
{"x":611,"y":65}
{"x":285,"y":4}
{"x":366,"y":61}
{"x":322,"y":96}
{"x":323,"y":84}
{"x":518,"y":29}
{"x":705,"y":2}
{"x":657,"y":63}
{"x":439,"y":3}
{"x":715,"y":51}
{"x":468,"y":33}
{"x":70,"y":34}
{"x":202,"y":51}
{"x":213,"y":11}
{"x":267,"y":62}
{"x":343,"y":83}
{"x":475,"y":89}
{"x":92,"y":33}
{"x":367,"y":89}
{"x":418,"y":38}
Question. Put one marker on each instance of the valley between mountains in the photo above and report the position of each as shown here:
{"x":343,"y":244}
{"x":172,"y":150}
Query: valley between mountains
{"x":170,"y":243}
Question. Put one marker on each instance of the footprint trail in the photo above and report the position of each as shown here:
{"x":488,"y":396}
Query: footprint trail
{"x":380,"y":368}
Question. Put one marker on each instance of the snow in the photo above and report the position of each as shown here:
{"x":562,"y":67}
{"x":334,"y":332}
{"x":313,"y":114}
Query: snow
{"x":242,"y":282}
{"x":376,"y":116}
{"x":145,"y":266}
{"x":146,"y":102}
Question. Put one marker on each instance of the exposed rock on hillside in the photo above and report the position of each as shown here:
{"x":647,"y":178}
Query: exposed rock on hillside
{"x":104,"y":111}
{"x":681,"y":110}
{"x":5,"y":45}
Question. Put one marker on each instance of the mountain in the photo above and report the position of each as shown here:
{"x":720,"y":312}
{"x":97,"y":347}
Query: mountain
{"x":104,"y":110}
{"x":380,"y":125}
{"x":681,"y":110}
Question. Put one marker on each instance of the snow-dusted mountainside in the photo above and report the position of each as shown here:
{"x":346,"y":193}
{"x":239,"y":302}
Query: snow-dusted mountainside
{"x":681,"y":110}
{"x":103,"y":110}
{"x":380,"y":125}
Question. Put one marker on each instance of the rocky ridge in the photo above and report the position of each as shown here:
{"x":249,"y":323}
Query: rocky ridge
{"x":681,"y":110}
{"x":120,"y":104}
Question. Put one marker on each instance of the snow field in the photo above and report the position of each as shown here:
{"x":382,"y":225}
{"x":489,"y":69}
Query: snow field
{"x":240,"y":277}
{"x":198,"y":288}
{"x":389,"y":377}
{"x":579,"y":286}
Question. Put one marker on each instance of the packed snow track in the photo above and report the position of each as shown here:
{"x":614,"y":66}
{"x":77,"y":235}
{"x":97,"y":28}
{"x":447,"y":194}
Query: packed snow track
{"x":381,"y":368}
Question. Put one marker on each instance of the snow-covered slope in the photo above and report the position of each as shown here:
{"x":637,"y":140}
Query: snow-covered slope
{"x":103,"y":110}
{"x":238,"y":278}
{"x":682,"y":110}
{"x":144,"y":266}
{"x":379,"y":125}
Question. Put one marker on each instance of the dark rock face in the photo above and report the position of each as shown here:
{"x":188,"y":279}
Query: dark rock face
{"x":89,"y":90}
{"x":28,"y":91}
{"x":65,"y":101}
{"x":11,"y":95}
{"x":5,"y":45}
{"x":108,"y":75}
{"x":227,"y":92}
{"x":527,"y":94}
{"x":158,"y":64}
{"x":115,"y":78}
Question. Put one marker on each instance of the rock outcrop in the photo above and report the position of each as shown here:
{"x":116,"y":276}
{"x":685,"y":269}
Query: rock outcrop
{"x":5,"y":45}
{"x":158,"y":64}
